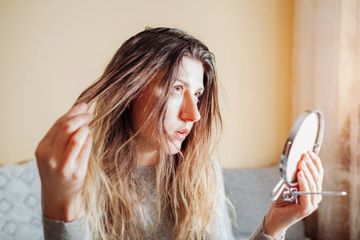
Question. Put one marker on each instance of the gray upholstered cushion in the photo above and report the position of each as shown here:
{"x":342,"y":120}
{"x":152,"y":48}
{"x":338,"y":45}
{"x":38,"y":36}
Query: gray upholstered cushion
{"x":20,"y":202}
{"x":249,"y":190}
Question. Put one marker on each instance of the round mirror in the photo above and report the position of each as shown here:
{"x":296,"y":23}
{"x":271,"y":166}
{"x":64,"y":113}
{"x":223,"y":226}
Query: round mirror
{"x":306,"y":135}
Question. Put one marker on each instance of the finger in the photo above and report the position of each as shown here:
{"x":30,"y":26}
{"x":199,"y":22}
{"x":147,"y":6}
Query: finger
{"x":305,"y":200}
{"x":74,"y":146}
{"x":67,"y":131}
{"x":76,"y":109}
{"x":317,"y":163}
{"x":301,"y":160}
{"x":51,"y":135}
{"x":314,"y":172}
{"x":310,"y":181}
{"x":82,"y":159}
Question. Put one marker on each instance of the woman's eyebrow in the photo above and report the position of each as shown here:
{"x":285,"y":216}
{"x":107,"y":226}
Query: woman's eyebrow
{"x":186,"y":83}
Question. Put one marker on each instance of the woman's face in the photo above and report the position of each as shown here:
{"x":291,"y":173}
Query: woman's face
{"x":182,"y":108}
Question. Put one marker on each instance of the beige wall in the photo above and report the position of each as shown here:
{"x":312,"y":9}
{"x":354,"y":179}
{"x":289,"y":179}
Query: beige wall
{"x":52,"y":50}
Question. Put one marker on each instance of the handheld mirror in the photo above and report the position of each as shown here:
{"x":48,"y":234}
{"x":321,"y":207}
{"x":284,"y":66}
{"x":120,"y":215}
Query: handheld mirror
{"x":306,"y":135}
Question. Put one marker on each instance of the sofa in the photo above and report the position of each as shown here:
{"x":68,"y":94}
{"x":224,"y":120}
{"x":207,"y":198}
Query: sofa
{"x":20,"y":201}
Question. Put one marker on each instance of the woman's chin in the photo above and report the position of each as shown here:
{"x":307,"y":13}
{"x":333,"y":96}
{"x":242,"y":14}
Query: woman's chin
{"x":174,"y":148}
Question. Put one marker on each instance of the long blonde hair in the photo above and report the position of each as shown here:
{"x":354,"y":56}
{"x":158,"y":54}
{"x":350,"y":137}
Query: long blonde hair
{"x":187,"y":179}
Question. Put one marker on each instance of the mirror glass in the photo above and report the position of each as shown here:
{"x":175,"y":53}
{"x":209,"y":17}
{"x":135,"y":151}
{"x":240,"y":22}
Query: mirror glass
{"x":304,"y":141}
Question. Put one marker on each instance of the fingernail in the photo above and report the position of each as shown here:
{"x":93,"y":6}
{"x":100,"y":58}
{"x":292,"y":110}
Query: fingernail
{"x":83,"y":105}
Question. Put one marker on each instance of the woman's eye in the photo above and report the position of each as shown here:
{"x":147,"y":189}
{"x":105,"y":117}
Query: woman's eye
{"x":177,"y":89}
{"x":198,"y":95}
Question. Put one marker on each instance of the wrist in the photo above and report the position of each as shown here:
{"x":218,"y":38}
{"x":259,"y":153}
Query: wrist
{"x":65,"y":210}
{"x":273,"y":231}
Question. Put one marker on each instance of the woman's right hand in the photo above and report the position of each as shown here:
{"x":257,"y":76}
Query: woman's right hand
{"x":62,"y":157}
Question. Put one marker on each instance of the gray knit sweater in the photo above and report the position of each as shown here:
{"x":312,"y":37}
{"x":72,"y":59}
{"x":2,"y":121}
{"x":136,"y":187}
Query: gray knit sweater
{"x":79,"y":229}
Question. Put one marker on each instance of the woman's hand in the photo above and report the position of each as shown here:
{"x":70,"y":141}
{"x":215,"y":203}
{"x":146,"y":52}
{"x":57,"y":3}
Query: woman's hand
{"x":284,"y":214}
{"x":62,"y":157}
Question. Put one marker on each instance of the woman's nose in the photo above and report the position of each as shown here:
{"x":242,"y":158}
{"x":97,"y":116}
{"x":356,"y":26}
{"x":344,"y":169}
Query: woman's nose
{"x":190,"y":112}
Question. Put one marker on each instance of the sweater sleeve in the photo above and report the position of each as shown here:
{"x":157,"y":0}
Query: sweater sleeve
{"x":59,"y":230}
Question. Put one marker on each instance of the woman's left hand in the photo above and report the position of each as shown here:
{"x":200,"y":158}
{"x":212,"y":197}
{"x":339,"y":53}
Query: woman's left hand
{"x":281,"y":214}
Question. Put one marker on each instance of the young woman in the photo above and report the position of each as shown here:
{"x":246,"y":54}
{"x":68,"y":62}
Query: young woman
{"x":139,"y":166}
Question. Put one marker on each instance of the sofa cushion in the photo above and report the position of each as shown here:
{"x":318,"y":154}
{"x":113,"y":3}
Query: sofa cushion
{"x":20,"y":202}
{"x":249,"y":190}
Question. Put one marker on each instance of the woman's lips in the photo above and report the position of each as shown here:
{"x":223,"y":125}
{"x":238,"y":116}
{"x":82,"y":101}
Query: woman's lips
{"x":180,"y":135}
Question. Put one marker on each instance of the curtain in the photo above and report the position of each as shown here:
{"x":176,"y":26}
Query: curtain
{"x":326,"y":76}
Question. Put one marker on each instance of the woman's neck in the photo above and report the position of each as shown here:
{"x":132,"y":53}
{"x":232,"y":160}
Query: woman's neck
{"x":146,"y":158}
{"x":146,"y":155}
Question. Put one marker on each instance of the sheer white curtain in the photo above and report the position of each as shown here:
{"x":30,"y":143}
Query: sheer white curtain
{"x":326,"y":76}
